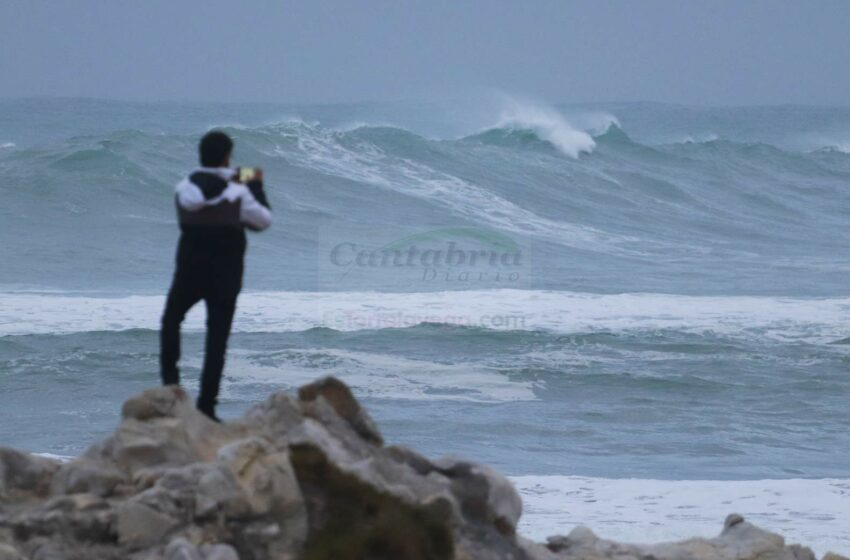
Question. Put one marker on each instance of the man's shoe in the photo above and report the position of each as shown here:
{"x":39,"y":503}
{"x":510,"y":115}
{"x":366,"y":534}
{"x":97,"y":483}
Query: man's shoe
{"x":209,"y":411}
{"x":211,"y":415}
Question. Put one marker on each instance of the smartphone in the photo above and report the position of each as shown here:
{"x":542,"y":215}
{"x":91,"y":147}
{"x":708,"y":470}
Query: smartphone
{"x":247,"y":174}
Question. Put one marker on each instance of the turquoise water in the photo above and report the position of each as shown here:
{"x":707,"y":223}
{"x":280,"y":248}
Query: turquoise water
{"x":679,"y":311}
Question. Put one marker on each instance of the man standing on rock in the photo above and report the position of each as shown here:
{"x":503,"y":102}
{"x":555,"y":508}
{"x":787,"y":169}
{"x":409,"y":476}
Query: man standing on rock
{"x":214,"y":206}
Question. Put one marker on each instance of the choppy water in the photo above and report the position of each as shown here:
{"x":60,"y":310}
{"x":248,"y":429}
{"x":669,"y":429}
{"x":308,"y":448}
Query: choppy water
{"x":679,"y":312}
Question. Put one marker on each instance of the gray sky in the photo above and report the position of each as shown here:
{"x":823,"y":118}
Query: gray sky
{"x":713,"y":53}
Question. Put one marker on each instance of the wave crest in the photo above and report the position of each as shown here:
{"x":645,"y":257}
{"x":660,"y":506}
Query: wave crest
{"x":547,"y":124}
{"x":511,"y":138}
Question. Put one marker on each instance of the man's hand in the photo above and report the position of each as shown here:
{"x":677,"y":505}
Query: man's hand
{"x":256,"y":178}
{"x":255,"y":185}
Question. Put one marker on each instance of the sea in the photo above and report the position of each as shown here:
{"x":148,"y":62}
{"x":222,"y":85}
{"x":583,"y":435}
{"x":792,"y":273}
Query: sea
{"x":638,"y":311}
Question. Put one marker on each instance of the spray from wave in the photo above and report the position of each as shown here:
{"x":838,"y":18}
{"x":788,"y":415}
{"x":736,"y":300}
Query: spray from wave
{"x":548,"y":124}
{"x":828,"y":144}
{"x":699,"y":138}
{"x":596,"y":123}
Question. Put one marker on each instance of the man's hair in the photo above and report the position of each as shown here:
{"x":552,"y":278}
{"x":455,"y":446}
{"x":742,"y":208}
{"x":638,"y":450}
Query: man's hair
{"x":214,"y":148}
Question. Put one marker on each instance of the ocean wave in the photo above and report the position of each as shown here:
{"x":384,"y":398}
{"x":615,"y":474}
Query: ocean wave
{"x":124,"y":155}
{"x":349,"y":156}
{"x":545,"y":123}
{"x":614,"y":135}
{"x":842,"y":148}
{"x":517,"y":125}
{"x":658,"y":205}
{"x":373,"y":375}
{"x":700,"y":139}
{"x":815,"y":320}
{"x":510,"y":138}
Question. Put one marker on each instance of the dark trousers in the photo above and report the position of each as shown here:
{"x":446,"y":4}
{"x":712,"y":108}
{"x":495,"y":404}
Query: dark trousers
{"x":219,"y":292}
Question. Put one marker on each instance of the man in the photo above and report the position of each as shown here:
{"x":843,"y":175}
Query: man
{"x":214,"y":209}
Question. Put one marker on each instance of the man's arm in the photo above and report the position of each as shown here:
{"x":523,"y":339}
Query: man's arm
{"x":189,"y":196}
{"x":255,"y":211}
{"x":256,"y":188}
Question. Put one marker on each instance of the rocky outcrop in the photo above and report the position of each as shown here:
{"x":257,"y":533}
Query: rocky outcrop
{"x":738,"y":540}
{"x":297,"y":478}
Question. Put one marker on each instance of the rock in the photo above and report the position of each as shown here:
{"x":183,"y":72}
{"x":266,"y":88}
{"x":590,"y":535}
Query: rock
{"x":503,"y":501}
{"x":339,"y":396}
{"x":305,"y":478}
{"x":181,"y":549}
{"x":162,"y":428}
{"x":833,"y":556}
{"x":731,"y":520}
{"x":579,"y":537}
{"x":172,"y":504}
{"x":85,"y":516}
{"x":45,"y":550}
{"x":274,"y":418}
{"x":9,"y":553}
{"x":739,"y":540}
{"x":801,"y":552}
{"x":351,"y":518}
{"x":141,"y":526}
{"x":271,"y":491}
{"x":22,"y":472}
{"x":337,"y":443}
{"x":77,"y":502}
{"x":219,"y":493}
{"x":535,"y":551}
{"x":414,"y":460}
{"x":484,"y":494}
{"x":747,"y":537}
{"x":140,"y":445}
{"x":219,"y":552}
{"x":85,"y":476}
{"x":265,"y":477}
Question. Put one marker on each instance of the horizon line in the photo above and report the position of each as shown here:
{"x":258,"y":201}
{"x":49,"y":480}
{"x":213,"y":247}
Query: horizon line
{"x":6,"y":99}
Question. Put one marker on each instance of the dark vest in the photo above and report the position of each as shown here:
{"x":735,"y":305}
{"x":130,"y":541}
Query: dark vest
{"x":214,"y":235}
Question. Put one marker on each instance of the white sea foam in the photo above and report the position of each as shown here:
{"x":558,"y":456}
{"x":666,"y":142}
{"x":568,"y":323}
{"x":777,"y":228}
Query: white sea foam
{"x":352,"y":126}
{"x":60,"y":458}
{"x":815,"y":513}
{"x":7,"y":145}
{"x":372,"y":375}
{"x":819,"y":141}
{"x":843,"y":147}
{"x":548,"y":124}
{"x":698,"y":138}
{"x":818,"y":320}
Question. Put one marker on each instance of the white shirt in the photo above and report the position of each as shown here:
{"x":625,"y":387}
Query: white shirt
{"x":252,"y":213}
